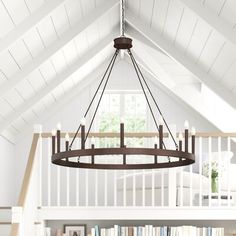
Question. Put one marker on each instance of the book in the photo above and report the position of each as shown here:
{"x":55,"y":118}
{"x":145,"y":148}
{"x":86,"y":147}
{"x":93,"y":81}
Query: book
{"x":150,"y":230}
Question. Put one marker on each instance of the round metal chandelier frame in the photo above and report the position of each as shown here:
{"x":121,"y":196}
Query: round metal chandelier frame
{"x":181,"y":157}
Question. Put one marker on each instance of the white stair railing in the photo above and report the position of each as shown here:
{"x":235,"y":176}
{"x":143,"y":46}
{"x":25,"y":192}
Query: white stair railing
{"x":62,"y":186}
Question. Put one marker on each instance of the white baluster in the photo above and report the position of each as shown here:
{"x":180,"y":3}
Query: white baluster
{"x":124,"y":188}
{"x":162,"y":188}
{"x":228,"y":172}
{"x":153,"y":187}
{"x":58,"y":185}
{"x":96,"y":187}
{"x":200,"y":171}
{"x":181,"y":186}
{"x":210,"y":167}
{"x":86,"y":187}
{"x":219,"y":169}
{"x":49,"y":170}
{"x":107,"y":144}
{"x":77,"y":178}
{"x":40,"y":150}
{"x":143,"y":188}
{"x":115,"y":188}
{"x":134,"y":188}
{"x":191,"y":185}
{"x":67,"y":186}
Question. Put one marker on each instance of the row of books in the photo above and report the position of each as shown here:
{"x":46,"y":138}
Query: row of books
{"x":150,"y":230}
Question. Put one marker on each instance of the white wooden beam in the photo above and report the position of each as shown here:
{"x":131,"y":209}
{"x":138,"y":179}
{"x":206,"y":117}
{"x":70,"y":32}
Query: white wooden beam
{"x":30,"y":22}
{"x":173,"y":52}
{"x":212,"y":19}
{"x":70,"y":95}
{"x":57,"y":81}
{"x":61,"y":42}
{"x":187,"y":95}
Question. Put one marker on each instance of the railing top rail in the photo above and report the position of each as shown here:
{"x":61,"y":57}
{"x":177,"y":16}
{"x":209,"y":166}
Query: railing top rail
{"x":143,"y":134}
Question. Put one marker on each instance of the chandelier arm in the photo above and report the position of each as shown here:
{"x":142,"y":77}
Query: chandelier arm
{"x":155,"y":102}
{"x":94,"y":96}
{"x":103,"y":90}
{"x":146,"y":97}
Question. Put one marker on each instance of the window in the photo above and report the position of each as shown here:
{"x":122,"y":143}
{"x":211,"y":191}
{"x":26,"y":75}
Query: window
{"x":129,"y":105}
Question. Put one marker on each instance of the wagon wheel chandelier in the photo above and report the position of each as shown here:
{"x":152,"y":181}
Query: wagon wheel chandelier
{"x":178,"y":156}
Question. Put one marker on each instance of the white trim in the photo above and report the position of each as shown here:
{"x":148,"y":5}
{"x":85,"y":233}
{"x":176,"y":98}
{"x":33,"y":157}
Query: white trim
{"x":137,"y":213}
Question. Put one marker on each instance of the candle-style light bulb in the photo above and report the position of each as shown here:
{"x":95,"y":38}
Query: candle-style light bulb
{"x":186,"y":124}
{"x":67,"y":137}
{"x":122,"y":120}
{"x":53,"y":132}
{"x":180,"y":136}
{"x":58,"y":126}
{"x":92,"y":141}
{"x":155,"y":140}
{"x":83,"y":121}
{"x":193,"y":131}
{"x":161,"y":120}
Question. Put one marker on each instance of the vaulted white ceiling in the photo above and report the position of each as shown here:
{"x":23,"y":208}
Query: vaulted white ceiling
{"x":48,"y":49}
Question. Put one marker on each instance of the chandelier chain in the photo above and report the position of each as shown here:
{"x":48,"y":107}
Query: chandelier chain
{"x":94,"y":96}
{"x":122,"y":18}
{"x":155,"y":102}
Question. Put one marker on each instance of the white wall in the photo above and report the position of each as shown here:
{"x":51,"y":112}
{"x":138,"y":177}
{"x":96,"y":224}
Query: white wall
{"x":122,"y":78}
{"x":7,"y":173}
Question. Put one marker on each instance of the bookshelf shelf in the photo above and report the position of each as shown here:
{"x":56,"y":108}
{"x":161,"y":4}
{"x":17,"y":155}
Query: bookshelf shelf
{"x":136,"y":213}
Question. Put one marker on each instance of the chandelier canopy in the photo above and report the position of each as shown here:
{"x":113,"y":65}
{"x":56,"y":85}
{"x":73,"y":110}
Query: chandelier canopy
{"x":161,"y":156}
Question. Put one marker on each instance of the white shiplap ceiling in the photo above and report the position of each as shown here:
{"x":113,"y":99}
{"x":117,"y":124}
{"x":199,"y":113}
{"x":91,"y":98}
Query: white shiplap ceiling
{"x":49,"y":47}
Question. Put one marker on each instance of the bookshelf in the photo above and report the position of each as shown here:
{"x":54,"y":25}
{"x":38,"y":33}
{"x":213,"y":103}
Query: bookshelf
{"x":230,"y":226}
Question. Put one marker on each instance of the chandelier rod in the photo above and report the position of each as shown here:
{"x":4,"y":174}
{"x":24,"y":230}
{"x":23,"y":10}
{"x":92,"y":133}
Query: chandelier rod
{"x":94,"y":96}
{"x":103,"y":90}
{"x":144,"y":92}
{"x":154,"y":100}
{"x":122,"y":18}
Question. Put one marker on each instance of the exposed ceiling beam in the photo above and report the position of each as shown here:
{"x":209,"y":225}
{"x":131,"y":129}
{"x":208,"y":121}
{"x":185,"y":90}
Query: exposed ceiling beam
{"x":61,"y":42}
{"x":57,"y":81}
{"x":212,"y":19}
{"x":8,"y":136}
{"x":187,"y":94}
{"x":30,"y":22}
{"x":173,"y":52}
{"x":69,"y":96}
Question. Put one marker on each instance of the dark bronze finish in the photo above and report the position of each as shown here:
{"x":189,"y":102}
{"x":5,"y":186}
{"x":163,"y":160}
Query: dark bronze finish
{"x":53,"y":144}
{"x":122,"y":135}
{"x":67,"y":145}
{"x":155,"y":157}
{"x":180,"y":145}
{"x":66,"y":158}
{"x":123,"y":43}
{"x":186,"y":139}
{"x":82,"y":137}
{"x":193,"y":144}
{"x":58,"y":140}
{"x":92,"y":157}
{"x":161,"y":136}
{"x":187,"y":158}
